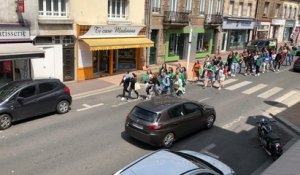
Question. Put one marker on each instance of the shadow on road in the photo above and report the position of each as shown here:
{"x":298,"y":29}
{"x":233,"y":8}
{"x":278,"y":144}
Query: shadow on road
{"x":275,"y":103}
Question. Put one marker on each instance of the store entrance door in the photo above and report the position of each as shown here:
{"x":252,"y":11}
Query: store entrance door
{"x":68,"y":63}
{"x":153,"y":49}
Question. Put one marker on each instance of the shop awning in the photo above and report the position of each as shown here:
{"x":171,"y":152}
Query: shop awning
{"x":10,"y":51}
{"x":117,"y":43}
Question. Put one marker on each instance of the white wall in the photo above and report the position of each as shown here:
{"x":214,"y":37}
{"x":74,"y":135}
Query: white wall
{"x":51,"y":66}
{"x":84,"y":55}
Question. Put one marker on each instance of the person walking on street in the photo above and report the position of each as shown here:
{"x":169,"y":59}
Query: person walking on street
{"x":134,"y":85}
{"x":126,"y":81}
{"x":249,"y":61}
{"x":258,"y":64}
{"x":229,"y":62}
{"x":235,"y":64}
{"x":221,"y":76}
{"x":178,"y":86}
{"x":195,"y":70}
{"x":277,"y":62}
{"x":166,"y":82}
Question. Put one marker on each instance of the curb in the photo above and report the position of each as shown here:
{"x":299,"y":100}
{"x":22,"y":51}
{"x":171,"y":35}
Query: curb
{"x":95,"y":92}
{"x":287,"y":123}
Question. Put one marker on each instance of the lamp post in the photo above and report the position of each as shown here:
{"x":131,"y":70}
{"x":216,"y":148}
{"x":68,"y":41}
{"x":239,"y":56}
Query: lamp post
{"x":189,"y":46}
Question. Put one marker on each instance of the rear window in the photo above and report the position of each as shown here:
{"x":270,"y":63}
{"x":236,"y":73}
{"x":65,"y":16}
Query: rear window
{"x":47,"y":87}
{"x":144,"y":114}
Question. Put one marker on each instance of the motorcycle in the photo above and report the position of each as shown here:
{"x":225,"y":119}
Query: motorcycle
{"x":269,"y":140}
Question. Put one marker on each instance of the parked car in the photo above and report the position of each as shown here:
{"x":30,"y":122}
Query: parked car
{"x":28,"y":98}
{"x":261,"y":43}
{"x":166,"y":162}
{"x":296,"y":66}
{"x":164,"y":119}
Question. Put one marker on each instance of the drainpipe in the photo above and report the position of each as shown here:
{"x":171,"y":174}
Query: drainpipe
{"x":189,"y":46}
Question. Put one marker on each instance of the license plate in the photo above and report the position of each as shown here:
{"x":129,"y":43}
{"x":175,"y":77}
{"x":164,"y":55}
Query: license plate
{"x":137,"y":125}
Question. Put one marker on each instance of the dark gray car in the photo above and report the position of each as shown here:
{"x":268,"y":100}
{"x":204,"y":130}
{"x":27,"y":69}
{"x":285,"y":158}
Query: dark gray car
{"x":164,"y":119}
{"x":28,"y":98}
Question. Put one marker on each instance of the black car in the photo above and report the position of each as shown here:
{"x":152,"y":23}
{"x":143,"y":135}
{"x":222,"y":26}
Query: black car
{"x":296,"y":66}
{"x":164,"y":119}
{"x":261,"y":43}
{"x":28,"y":98}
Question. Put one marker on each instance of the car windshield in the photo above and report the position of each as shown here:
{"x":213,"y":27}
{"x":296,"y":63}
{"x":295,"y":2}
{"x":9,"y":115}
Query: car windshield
{"x":256,"y":43}
{"x":7,"y":90}
{"x":144,"y":114}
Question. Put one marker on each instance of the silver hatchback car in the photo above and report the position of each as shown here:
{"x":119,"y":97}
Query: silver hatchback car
{"x":166,"y":162}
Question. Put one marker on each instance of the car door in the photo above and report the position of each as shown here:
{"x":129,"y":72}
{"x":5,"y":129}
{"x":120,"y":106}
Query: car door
{"x":47,"y":96}
{"x":179,"y":122}
{"x":26,"y":104}
{"x":194,"y":115}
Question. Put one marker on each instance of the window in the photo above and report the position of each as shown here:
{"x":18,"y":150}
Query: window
{"x":202,"y":42}
{"x":144,"y":114}
{"x":117,"y":9}
{"x":249,"y":9}
{"x":202,"y":7}
{"x":290,"y":12}
{"x":189,"y":4}
{"x":191,"y":108}
{"x":173,"y":5}
{"x":266,"y":9}
{"x":176,"y":44}
{"x":53,"y":8}
{"x":27,"y":92}
{"x":285,"y":11}
{"x":156,"y":6}
{"x":295,"y":13}
{"x":218,"y":9}
{"x":240,"y":9}
{"x":231,"y":6}
{"x":277,"y":10}
{"x":178,"y":111}
{"x":47,"y":87}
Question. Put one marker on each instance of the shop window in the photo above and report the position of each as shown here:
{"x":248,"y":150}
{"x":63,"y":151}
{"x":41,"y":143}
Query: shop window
{"x":175,"y":42}
{"x":202,"y":42}
{"x":117,"y":9}
{"x":126,"y":59}
{"x":53,"y":8}
{"x":6,"y":73}
{"x":156,"y":6}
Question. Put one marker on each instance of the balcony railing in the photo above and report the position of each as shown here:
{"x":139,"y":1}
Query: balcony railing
{"x":213,"y":19}
{"x":176,"y":18}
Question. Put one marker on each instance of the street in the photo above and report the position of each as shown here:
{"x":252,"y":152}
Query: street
{"x":90,"y":139}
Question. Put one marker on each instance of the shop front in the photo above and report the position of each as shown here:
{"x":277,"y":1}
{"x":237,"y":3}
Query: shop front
{"x":288,"y":30}
{"x":16,"y":53}
{"x":276,"y":30}
{"x":105,"y":50}
{"x":262,"y":30}
{"x":236,"y":33}
{"x":177,"y":41}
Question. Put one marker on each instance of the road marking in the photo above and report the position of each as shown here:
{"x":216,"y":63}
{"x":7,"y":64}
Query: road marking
{"x":125,"y":102}
{"x":274,"y":110}
{"x":254,"y":89}
{"x":86,"y":106}
{"x":206,"y":149}
{"x":239,"y":85}
{"x":209,"y":147}
{"x":270,"y":92}
{"x":229,"y":81}
{"x":280,"y":99}
{"x":203,"y":99}
{"x":228,"y":125}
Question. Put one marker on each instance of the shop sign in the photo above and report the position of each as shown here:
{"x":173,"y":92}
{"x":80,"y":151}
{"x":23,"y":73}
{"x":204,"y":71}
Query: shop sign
{"x":112,"y":31}
{"x":278,"y":22}
{"x":14,"y":32}
{"x":289,"y":23}
{"x":232,"y":24}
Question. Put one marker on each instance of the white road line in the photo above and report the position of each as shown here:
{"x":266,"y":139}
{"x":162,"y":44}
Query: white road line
{"x":228,"y":125}
{"x":288,"y":102}
{"x":285,"y":96}
{"x":270,"y":92}
{"x":230,"y":81}
{"x":125,"y":102}
{"x":239,"y":85}
{"x":211,"y":154}
{"x":203,"y":99}
{"x":209,"y":147}
{"x":89,"y":106}
{"x":254,"y":89}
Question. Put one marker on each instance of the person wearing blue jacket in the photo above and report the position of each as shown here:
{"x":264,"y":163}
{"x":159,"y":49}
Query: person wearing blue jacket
{"x":266,"y":61}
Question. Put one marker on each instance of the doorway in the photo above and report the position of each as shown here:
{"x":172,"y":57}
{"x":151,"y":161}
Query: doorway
{"x":68,"y":63}
{"x":224,"y":41}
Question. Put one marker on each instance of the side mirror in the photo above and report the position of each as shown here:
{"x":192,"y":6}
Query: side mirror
{"x":20,"y":99}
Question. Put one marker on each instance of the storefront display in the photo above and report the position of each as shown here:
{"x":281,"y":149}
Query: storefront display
{"x":202,"y":42}
{"x":237,"y":39}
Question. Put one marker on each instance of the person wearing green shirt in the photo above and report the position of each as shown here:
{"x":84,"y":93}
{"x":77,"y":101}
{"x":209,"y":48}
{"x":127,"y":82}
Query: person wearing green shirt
{"x":235,"y":63}
{"x":258,"y":63}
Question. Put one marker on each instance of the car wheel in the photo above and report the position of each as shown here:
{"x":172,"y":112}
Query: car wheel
{"x":62,"y":107}
{"x":5,"y":121}
{"x":210,"y":121}
{"x":168,"y":140}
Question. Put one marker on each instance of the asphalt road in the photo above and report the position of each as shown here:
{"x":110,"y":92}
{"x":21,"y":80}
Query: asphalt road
{"x":90,"y":139}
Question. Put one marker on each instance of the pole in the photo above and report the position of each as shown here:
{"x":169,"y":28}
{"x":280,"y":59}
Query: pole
{"x":189,"y":47}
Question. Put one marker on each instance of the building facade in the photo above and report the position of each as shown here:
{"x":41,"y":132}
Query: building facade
{"x":17,"y":51}
{"x":238,"y":24}
{"x":111,"y":40}
{"x":183,"y":29}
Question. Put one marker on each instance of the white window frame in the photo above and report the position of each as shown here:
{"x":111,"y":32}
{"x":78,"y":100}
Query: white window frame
{"x":202,"y":7}
{"x":240,"y":12}
{"x":290,"y":12}
{"x":266,"y":9}
{"x":210,"y":7}
{"x":52,"y":13}
{"x":231,"y":7}
{"x":277,"y":10}
{"x":189,"y":5}
{"x":218,"y":9}
{"x":123,"y":11}
{"x":173,"y":5}
{"x":295,"y":12}
{"x":285,"y":12}
{"x":249,"y":9}
{"x":156,"y":6}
